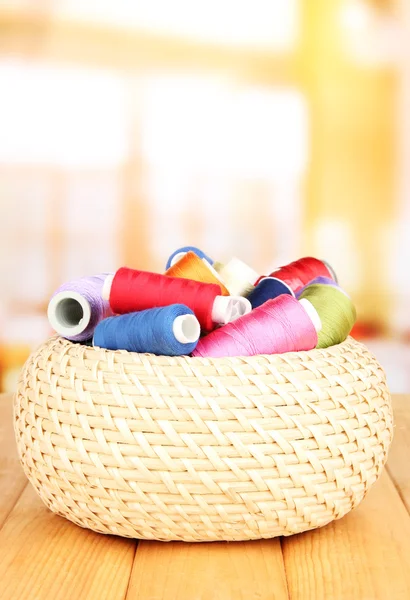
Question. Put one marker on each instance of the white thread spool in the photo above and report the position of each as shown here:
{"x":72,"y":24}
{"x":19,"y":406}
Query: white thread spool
{"x":238,"y":277}
{"x":224,"y":310}
{"x":312,"y":313}
{"x":69,"y":313}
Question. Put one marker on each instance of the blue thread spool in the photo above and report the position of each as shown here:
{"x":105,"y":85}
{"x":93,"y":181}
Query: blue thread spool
{"x":175,"y":256}
{"x":267,"y":289}
{"x":170,"y":330}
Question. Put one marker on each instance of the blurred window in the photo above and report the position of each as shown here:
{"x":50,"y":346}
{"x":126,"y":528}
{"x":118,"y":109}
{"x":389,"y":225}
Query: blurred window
{"x":210,"y":160}
{"x":252,"y":23}
{"x":223,"y":152}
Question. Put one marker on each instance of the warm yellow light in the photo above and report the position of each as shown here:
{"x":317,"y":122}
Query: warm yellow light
{"x":212,"y":125}
{"x":356,"y":16}
{"x":61,"y":116}
{"x":254,"y":23}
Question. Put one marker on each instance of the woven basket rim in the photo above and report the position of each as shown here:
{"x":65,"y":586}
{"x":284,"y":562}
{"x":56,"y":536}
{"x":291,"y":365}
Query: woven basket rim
{"x":199,"y":360}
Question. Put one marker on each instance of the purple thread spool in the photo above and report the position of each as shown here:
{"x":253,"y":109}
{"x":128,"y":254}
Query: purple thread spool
{"x":322,"y":280}
{"x":77,"y":307}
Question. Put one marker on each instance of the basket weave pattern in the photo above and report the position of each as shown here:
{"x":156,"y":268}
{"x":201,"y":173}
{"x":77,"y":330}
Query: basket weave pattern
{"x":176,"y":448}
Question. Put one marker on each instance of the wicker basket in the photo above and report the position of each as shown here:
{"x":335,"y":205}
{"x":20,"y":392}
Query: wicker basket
{"x":198,"y":449}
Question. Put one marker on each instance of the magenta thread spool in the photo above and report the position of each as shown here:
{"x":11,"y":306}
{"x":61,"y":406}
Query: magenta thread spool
{"x":283,"y":324}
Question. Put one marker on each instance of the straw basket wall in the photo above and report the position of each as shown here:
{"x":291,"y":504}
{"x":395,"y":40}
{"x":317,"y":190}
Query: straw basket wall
{"x":198,"y":449}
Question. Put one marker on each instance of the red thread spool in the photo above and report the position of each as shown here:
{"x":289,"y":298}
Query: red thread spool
{"x":131,"y":290}
{"x":300,"y":272}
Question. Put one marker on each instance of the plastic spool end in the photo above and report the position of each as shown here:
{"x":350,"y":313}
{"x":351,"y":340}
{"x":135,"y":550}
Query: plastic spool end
{"x":222,"y":310}
{"x":241,"y":307}
{"x":331,"y":270}
{"x":69,"y":313}
{"x":106,"y":289}
{"x":186,"y":329}
{"x":312,"y":313}
{"x":176,"y":258}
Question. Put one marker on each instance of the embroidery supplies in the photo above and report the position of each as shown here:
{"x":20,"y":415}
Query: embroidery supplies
{"x":300,"y":272}
{"x":267,"y":289}
{"x":321,"y":280}
{"x":336,"y":311}
{"x":171,"y":330}
{"x":283,"y":324}
{"x":77,"y":307}
{"x":238,"y":277}
{"x":130,"y":290}
{"x":190,"y":266}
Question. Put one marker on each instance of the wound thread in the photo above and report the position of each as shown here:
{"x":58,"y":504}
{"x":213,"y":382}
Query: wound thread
{"x":268,"y":289}
{"x":238,"y":277}
{"x":77,"y":306}
{"x":299,"y":273}
{"x":131,"y":290}
{"x":155,"y":331}
{"x":277,"y":326}
{"x":336,"y":311}
{"x":321,"y":280}
{"x":190,"y":266}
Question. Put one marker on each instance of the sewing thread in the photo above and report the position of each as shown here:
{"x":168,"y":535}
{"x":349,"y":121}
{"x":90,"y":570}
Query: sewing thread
{"x":336,"y":311}
{"x":279,"y":325}
{"x":130,"y":290}
{"x":297,"y":274}
{"x":171,"y":331}
{"x":238,"y":277}
{"x":190,"y":266}
{"x":321,"y":280}
{"x":76,"y":308}
{"x":175,"y":256}
{"x":267,"y":289}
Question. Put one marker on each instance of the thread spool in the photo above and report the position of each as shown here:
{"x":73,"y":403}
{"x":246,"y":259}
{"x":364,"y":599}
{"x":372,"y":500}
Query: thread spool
{"x":178,"y":254}
{"x":267,"y":289}
{"x":321,"y":280}
{"x":238,"y":277}
{"x":77,"y":307}
{"x":130,"y":290}
{"x":299,"y":273}
{"x":190,"y":266}
{"x":171,"y":330}
{"x":218,"y":266}
{"x":283,"y":324}
{"x":336,"y":311}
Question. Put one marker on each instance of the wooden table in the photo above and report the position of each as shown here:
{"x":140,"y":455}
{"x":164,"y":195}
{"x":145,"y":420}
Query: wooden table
{"x":365,"y":556}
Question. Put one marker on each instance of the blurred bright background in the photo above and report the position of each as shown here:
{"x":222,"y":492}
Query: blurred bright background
{"x":265,"y":129}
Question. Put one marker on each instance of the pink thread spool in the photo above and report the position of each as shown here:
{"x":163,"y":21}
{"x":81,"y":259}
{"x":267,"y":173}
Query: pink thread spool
{"x":283,"y":324}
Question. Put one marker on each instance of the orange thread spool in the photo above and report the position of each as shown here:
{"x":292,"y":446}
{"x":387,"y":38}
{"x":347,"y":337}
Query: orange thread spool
{"x":191,"y":266}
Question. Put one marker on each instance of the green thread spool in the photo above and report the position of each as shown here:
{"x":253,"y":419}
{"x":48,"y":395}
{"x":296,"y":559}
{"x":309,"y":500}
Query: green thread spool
{"x":336,"y":311}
